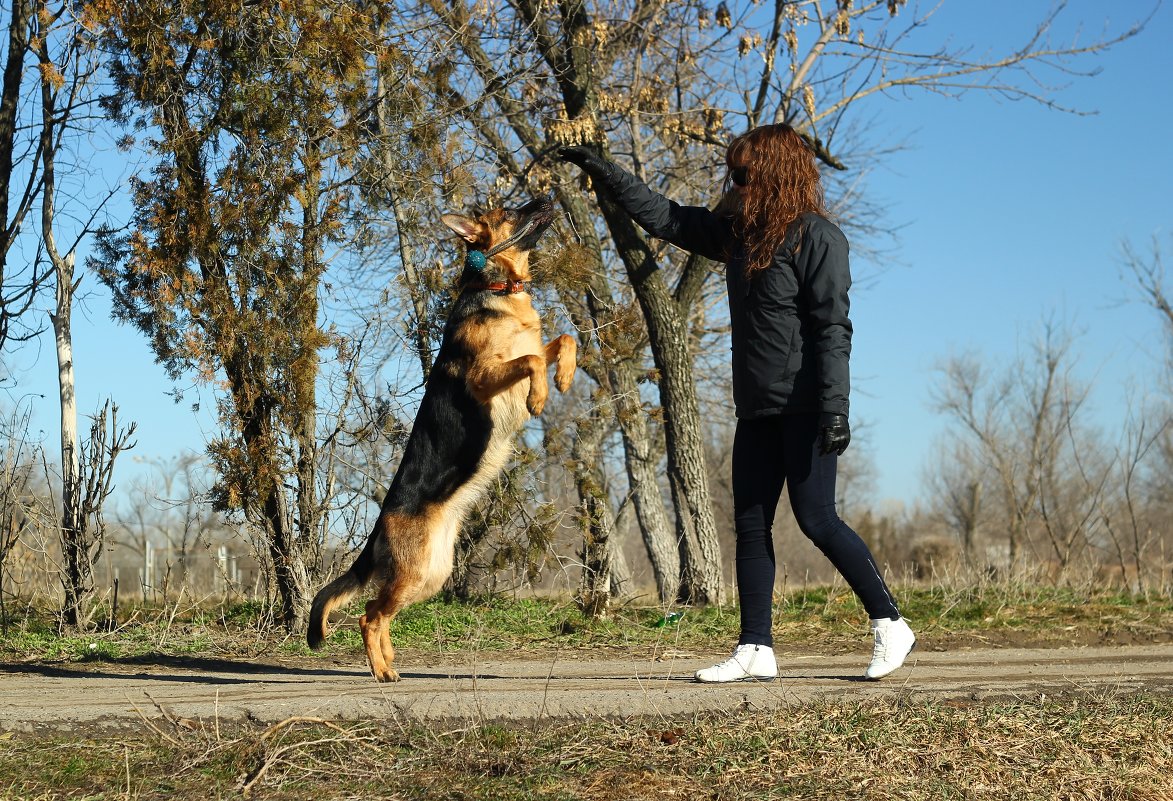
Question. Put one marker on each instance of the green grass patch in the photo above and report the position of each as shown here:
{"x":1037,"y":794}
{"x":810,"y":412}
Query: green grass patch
{"x":818,"y":617}
{"x":1080,"y":746}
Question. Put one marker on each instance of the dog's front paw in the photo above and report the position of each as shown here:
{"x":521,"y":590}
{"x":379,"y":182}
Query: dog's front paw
{"x":536,"y":400}
{"x":564,"y":375}
{"x":567,"y":362}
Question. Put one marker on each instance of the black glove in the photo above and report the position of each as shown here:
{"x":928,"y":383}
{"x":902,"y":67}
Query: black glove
{"x":587,"y":157}
{"x":834,"y":433}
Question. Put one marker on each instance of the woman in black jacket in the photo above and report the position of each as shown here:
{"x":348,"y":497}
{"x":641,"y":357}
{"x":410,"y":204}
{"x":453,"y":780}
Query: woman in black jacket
{"x":788,"y":278}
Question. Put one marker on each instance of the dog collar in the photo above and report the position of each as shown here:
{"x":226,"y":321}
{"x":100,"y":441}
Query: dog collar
{"x":501,"y":287}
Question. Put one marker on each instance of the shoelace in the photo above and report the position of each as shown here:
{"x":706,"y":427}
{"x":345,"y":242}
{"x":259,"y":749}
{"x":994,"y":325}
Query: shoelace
{"x":734,"y":662}
{"x":880,"y":649}
{"x":731,"y":662}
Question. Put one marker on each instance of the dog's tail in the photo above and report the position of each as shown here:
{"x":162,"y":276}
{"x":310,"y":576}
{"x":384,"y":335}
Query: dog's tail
{"x":341,"y":590}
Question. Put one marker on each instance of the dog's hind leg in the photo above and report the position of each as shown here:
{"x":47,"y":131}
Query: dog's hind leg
{"x":397,"y":593}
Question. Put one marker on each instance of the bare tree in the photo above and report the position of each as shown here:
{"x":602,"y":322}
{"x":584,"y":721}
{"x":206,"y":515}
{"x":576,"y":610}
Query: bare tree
{"x":1025,"y":427}
{"x":65,"y":71}
{"x":20,"y":160}
{"x":81,"y":540}
{"x":1026,"y":451}
{"x":1137,"y":522}
{"x":169,"y":509}
{"x":958,"y":481}
{"x":1146,"y":273}
{"x":16,"y":467}
{"x":1131,"y":512}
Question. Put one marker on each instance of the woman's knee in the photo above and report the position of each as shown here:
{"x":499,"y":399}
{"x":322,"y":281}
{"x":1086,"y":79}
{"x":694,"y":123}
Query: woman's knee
{"x":819,"y":525}
{"x":752,"y":522}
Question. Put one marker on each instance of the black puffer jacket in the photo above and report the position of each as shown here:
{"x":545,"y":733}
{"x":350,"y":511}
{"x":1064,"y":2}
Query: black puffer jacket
{"x":790,"y":329}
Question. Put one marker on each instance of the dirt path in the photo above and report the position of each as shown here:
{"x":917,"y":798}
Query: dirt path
{"x":492,"y":687}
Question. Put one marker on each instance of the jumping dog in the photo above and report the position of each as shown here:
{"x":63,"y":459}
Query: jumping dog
{"x":488,"y":379}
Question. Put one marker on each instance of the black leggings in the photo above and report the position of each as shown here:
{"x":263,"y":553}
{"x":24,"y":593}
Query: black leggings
{"x":784,"y":449}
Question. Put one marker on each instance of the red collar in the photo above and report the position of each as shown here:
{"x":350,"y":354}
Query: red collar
{"x":502,"y":287}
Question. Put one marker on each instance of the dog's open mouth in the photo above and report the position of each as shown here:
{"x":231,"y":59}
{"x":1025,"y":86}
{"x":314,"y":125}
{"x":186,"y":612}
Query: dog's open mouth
{"x":536,"y":217}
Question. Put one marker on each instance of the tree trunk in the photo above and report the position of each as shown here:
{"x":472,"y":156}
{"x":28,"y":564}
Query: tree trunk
{"x":594,"y":514}
{"x":621,"y":586}
{"x":971,"y":511}
{"x":297,"y":594}
{"x":74,"y":550}
{"x":416,"y":292}
{"x":641,"y":459}
{"x":617,"y":375}
{"x":289,"y":567}
{"x":696,"y":530}
{"x":9,"y":105}
{"x":260,"y":491}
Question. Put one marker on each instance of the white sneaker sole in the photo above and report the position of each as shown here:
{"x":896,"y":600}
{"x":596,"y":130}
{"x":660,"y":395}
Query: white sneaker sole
{"x":699,"y":680}
{"x":893,"y":670}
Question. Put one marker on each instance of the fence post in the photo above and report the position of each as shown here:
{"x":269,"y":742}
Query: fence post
{"x":147,"y":575}
{"x":222,"y":577}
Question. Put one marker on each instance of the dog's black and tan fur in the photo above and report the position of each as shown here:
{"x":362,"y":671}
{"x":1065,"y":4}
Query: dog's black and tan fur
{"x":488,"y":379}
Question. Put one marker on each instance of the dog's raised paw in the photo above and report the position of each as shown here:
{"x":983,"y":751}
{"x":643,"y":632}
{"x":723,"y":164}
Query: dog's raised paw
{"x":388,"y":675}
{"x":562,"y":378}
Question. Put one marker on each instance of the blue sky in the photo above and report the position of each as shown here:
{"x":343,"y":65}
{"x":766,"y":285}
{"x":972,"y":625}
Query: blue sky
{"x":1011,"y":213}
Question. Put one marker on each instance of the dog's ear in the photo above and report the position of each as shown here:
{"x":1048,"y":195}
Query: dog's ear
{"x":468,"y":228}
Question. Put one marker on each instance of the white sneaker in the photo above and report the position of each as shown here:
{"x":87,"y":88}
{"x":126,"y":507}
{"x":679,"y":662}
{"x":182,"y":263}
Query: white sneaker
{"x":894,"y":642}
{"x":748,"y":663}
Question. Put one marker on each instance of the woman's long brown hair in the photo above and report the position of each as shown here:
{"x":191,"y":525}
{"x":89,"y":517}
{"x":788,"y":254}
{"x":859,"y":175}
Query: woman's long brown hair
{"x":783,"y":185}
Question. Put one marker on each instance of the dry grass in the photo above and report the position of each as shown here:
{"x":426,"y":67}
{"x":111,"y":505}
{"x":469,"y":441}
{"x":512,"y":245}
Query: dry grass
{"x":1082,"y":746}
{"x":1079,"y":747}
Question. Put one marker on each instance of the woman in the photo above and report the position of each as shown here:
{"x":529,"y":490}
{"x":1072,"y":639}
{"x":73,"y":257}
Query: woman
{"x":787,"y":277}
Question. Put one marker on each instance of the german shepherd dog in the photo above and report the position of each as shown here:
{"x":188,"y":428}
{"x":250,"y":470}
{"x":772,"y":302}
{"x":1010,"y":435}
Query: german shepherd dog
{"x":488,"y":379}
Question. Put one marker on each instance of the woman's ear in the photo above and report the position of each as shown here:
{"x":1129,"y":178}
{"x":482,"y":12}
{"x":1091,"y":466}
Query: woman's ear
{"x":466,"y":227}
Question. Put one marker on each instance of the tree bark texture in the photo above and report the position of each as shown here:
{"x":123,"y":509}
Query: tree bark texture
{"x":595,"y":516}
